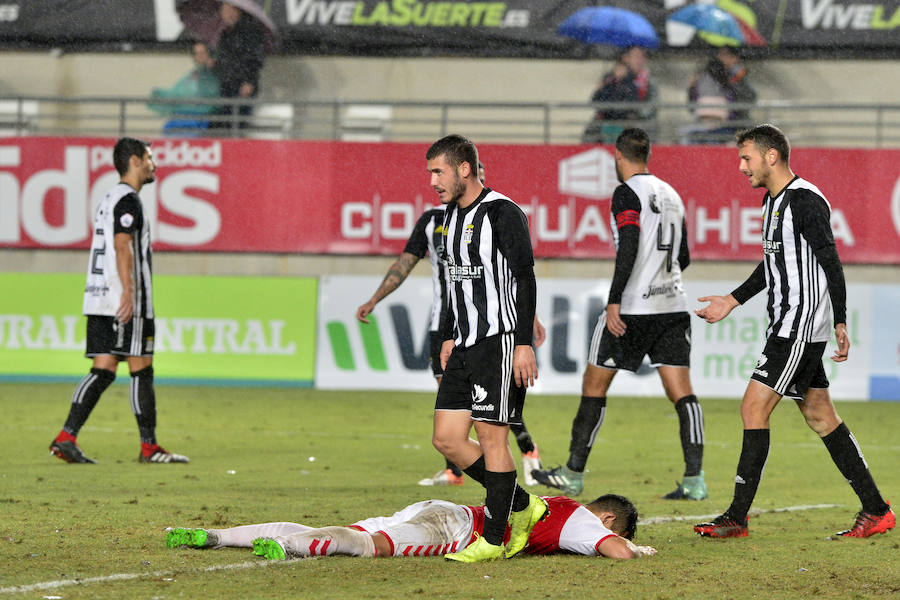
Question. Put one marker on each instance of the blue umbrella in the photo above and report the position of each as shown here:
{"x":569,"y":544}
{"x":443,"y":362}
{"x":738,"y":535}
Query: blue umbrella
{"x":713,"y":24}
{"x":610,"y":25}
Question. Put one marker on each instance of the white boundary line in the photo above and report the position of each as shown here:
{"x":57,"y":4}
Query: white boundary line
{"x":52,"y":585}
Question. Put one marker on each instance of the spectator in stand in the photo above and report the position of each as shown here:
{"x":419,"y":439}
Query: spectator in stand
{"x":199,"y":82}
{"x":628,"y":81}
{"x":239,"y":59}
{"x":719,"y":84}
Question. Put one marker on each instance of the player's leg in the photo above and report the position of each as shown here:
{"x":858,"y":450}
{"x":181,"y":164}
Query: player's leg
{"x":232,"y":537}
{"x":757,"y":405}
{"x":100,"y":339}
{"x":427,"y":528}
{"x":135,"y":344}
{"x":320,"y":541}
{"x":677,"y":384}
{"x":451,"y":474}
{"x":818,"y":410}
{"x":531,"y":458}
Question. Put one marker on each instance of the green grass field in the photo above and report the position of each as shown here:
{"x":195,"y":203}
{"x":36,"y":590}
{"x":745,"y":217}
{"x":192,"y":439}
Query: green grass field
{"x":252,"y":455}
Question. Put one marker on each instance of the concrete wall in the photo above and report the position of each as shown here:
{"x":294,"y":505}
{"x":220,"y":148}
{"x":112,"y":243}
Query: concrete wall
{"x":328,"y":78}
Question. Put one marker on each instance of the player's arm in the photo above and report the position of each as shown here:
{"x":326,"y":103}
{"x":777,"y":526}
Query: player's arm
{"x":719,"y":307}
{"x":127,"y":219}
{"x":626,"y":210}
{"x":396,"y":275}
{"x":615,"y":546}
{"x":124,"y":265}
{"x":812,"y":215}
{"x":514,"y":242}
{"x":684,"y":253}
{"x":416,"y":247}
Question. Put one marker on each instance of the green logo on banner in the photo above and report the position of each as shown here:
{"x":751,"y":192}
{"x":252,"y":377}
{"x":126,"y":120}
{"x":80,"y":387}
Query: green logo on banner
{"x":371,"y":340}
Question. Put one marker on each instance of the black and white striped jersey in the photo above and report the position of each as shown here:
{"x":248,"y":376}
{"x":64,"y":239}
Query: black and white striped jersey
{"x":120,"y":211}
{"x":796,"y":228}
{"x":653,"y":283}
{"x":428,"y":238}
{"x":485,"y":245}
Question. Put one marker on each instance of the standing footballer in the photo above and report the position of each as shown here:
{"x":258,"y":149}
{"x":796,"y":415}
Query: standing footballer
{"x":118,"y":302}
{"x":487,"y":355}
{"x":804,"y":282}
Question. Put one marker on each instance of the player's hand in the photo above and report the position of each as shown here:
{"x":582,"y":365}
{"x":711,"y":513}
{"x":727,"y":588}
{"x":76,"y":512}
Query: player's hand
{"x":614,"y":322}
{"x":126,"y":307}
{"x":645,"y":550}
{"x":718,"y":308}
{"x":446,"y":351}
{"x":842,"y":352}
{"x":363,"y":311}
{"x":524,"y":366}
{"x":540,"y":332}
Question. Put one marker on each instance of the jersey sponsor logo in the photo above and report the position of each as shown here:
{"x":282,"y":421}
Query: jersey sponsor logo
{"x":771,"y":247}
{"x":126,"y":220}
{"x":479,"y":394}
{"x":464,"y":272}
{"x":666,"y":289}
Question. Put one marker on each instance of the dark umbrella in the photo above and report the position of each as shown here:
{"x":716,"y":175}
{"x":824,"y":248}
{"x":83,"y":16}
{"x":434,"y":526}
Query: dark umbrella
{"x":610,"y":25}
{"x":201,"y":18}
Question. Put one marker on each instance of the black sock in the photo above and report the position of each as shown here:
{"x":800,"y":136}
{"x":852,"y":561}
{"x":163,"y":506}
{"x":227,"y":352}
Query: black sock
{"x":523,"y":438}
{"x":500,"y":491}
{"x":143,"y":403}
{"x":690,"y":426}
{"x":850,"y":462}
{"x":476,"y":470}
{"x":587,"y":423}
{"x":85,"y":398}
{"x":452,"y":466}
{"x":750,"y":468}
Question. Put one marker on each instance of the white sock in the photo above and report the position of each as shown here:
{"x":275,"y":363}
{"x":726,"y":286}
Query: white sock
{"x":243,"y":536}
{"x":326,"y":541}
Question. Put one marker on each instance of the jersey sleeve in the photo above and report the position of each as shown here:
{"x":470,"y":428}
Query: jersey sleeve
{"x":417,"y":243}
{"x":583,"y":533}
{"x":812,"y":218}
{"x":128,"y":216}
{"x":514,"y":241}
{"x":626,"y":211}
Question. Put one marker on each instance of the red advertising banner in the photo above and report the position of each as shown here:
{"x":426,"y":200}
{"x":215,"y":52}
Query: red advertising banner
{"x":359,"y":198}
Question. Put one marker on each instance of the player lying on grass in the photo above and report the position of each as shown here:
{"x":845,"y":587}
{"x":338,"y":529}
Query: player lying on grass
{"x":605,"y":527}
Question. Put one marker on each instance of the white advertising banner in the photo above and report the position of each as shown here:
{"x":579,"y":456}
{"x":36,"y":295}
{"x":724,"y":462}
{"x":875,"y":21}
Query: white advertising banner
{"x":392,"y":351}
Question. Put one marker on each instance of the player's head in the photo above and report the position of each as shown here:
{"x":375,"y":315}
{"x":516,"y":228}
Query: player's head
{"x":453,"y":164}
{"x":766,"y":137}
{"x":763,"y":150}
{"x":125,"y":149}
{"x":626,"y":515}
{"x":633,"y":146}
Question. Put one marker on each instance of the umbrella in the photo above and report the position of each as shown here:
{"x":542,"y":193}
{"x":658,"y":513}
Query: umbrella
{"x":709,"y":22}
{"x":609,"y":25}
{"x":201,"y":18}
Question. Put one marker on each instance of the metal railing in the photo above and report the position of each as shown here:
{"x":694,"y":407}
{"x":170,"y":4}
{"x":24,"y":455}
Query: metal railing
{"x":808,"y":124}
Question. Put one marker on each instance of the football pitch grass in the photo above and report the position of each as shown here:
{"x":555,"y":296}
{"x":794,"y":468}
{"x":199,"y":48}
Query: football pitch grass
{"x":330,"y":458}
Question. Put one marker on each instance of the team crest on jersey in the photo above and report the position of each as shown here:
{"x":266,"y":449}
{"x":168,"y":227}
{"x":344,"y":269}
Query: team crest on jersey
{"x":467,"y":234}
{"x":775,"y":219}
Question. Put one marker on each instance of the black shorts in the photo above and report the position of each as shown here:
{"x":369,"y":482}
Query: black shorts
{"x":105,"y":335}
{"x":665,"y":338}
{"x":791,"y":367}
{"x":480,"y":379}
{"x":434,"y":343}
